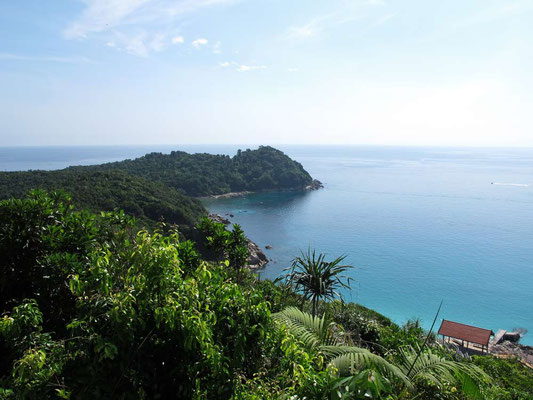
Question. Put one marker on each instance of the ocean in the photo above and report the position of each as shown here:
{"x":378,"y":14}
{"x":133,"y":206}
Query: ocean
{"x":419,"y":224}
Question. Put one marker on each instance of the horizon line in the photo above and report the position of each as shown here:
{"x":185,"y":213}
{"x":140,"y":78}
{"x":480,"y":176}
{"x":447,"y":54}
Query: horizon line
{"x":523,"y":147}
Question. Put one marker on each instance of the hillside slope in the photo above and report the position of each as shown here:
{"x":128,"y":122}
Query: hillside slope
{"x":109,"y":190}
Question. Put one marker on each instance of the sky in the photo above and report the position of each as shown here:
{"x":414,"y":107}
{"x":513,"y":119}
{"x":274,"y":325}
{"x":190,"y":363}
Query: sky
{"x":382,"y":72}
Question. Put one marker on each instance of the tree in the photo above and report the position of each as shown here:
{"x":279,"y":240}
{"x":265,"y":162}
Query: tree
{"x":230,"y":245}
{"x":317,"y":279}
{"x":89,"y":309}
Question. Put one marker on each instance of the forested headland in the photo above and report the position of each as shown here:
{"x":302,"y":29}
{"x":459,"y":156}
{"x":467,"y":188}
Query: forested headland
{"x":164,"y":187}
{"x":203,"y":174}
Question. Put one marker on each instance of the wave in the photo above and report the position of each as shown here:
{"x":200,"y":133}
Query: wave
{"x":510,"y":184}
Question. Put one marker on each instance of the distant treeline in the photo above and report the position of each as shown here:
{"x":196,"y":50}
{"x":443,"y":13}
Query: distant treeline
{"x":159,"y":186}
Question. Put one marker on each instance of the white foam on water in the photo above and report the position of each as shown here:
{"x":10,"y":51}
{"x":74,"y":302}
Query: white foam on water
{"x":510,"y":184}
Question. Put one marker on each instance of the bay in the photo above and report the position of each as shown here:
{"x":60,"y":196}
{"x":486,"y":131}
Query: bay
{"x":420,"y":224}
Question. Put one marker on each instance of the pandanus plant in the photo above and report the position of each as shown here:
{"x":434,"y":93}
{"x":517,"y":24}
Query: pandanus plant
{"x":316,"y":278}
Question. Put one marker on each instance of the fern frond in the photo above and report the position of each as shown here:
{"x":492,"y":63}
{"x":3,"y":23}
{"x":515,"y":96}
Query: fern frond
{"x":351,"y":360}
{"x":440,"y":370}
{"x":312,"y":331}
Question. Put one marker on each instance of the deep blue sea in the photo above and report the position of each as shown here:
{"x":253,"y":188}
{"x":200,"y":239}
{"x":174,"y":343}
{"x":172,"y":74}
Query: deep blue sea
{"x":420,"y":224}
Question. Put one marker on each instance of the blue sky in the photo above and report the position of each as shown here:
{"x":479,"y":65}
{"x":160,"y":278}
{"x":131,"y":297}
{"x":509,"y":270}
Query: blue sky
{"x":403,"y":72}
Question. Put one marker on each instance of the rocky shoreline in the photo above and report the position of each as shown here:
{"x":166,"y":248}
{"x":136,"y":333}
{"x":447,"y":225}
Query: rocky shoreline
{"x":314,"y":185}
{"x":230,"y":195}
{"x":508,"y":349}
{"x":219,"y":219}
{"x":257,"y":258}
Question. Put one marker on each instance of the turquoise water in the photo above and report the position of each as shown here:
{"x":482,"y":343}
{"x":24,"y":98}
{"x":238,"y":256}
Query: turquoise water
{"x":420,"y":224}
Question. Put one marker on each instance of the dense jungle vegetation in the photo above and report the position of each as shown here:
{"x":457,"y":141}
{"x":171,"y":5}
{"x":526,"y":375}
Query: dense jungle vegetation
{"x":205,"y":174}
{"x":108,"y":190}
{"x":93,"y":308}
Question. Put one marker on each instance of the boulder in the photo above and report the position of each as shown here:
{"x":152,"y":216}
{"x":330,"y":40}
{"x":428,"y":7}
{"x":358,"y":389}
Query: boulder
{"x":315,"y":185}
{"x":257,"y":259}
{"x":219,"y":218}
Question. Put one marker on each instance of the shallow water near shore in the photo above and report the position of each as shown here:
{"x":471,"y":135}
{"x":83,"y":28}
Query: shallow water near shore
{"x":420,"y":224}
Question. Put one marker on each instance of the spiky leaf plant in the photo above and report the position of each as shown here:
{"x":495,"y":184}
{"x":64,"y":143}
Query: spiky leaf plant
{"x":317,"y":279}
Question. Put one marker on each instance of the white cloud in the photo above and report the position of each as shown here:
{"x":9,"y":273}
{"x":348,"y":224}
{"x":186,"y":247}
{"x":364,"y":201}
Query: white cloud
{"x":383,"y":19}
{"x":103,"y":15}
{"x":136,"y":45}
{"x":140,"y":44}
{"x":350,"y":11}
{"x":67,"y":60}
{"x":225,"y":64}
{"x":305,"y":31}
{"x":143,"y":22}
{"x":246,"y":68}
{"x":216,"y":48}
{"x":198,"y":43}
{"x":158,"y":42}
{"x":292,"y":69}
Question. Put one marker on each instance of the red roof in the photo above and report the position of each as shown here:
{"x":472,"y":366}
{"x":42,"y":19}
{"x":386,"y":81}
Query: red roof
{"x":469,"y":333}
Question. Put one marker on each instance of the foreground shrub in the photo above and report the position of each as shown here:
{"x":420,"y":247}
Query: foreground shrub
{"x":91,"y":310}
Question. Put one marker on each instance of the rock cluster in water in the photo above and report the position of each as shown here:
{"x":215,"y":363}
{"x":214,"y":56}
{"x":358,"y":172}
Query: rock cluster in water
{"x":219,"y":219}
{"x":315,"y":185}
{"x":257,"y":259}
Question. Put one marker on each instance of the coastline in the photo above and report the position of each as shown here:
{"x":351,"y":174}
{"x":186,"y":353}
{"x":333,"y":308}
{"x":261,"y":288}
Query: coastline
{"x":257,"y":259}
{"x":228,"y":195}
{"x":314,"y":185}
